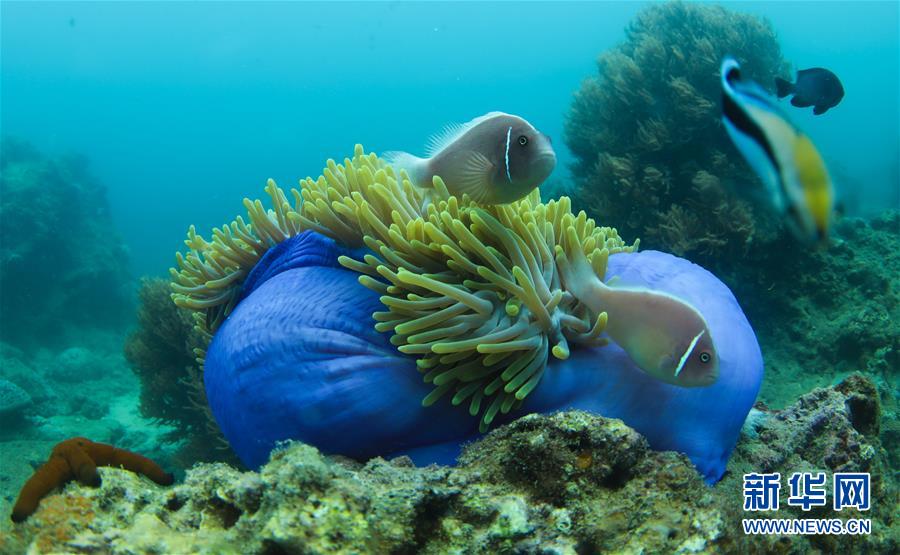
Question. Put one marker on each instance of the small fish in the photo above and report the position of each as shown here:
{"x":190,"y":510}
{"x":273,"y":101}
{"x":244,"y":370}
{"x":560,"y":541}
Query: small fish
{"x":665,"y":337}
{"x":784,"y":158}
{"x":814,"y":87}
{"x":495,"y":159}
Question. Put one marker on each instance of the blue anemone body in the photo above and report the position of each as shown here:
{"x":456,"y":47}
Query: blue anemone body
{"x":299,"y":358}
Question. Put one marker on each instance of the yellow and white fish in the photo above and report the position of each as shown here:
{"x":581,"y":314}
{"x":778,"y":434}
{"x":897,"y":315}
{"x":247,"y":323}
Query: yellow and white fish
{"x":495,"y":158}
{"x":783,"y":157}
{"x":665,"y":337}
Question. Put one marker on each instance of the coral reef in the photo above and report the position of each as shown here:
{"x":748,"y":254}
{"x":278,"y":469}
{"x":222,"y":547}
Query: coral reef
{"x":652,"y":158}
{"x":566,"y":483}
{"x":78,"y":458}
{"x":62,"y":266}
{"x":160,"y":351}
{"x":16,"y":368}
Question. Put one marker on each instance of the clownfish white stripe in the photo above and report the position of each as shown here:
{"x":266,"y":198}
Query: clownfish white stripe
{"x":688,"y":352}
{"x":508,"y":136}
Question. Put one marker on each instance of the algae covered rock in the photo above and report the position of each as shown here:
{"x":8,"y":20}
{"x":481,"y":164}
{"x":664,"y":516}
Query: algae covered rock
{"x":591,"y":484}
{"x":575,"y":482}
{"x":62,"y":264}
{"x":13,"y":399}
{"x":828,"y":430}
{"x":652,"y":158}
{"x":834,"y":429}
{"x":566,"y":483}
{"x":834,"y":312}
{"x":15,"y":368}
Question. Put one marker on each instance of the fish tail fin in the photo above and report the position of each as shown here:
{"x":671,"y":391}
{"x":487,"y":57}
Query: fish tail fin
{"x":415,"y":167}
{"x":783,"y":87}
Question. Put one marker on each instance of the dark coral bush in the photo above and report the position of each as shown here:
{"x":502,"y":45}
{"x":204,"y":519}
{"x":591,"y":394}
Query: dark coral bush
{"x":652,"y":158}
{"x":161,"y":353}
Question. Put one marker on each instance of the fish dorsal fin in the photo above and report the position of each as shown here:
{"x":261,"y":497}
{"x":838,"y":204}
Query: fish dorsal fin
{"x":475,"y":176}
{"x":618,"y":282}
{"x":453,"y":131}
{"x":444,"y":137}
{"x":638,"y":288}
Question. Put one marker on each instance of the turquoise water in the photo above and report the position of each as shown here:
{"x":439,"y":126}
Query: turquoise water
{"x":185,"y":108}
{"x":124,"y":123}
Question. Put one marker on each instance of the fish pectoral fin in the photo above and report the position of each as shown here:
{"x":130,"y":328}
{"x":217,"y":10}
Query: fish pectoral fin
{"x":475,"y":176}
{"x":669,"y":361}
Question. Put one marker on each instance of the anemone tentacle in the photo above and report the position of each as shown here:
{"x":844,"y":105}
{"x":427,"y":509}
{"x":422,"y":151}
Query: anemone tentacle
{"x":472,"y":291}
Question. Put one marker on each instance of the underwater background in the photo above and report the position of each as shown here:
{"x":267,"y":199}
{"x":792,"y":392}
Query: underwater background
{"x":124,"y":123}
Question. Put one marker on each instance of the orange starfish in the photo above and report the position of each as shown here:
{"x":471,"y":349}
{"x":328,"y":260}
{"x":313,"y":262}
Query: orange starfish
{"x":79,"y":458}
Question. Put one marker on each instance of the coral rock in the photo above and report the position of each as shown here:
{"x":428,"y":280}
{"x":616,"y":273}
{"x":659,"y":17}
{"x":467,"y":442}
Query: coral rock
{"x":78,"y":458}
{"x":827,"y":430}
{"x":567,"y":483}
{"x":13,"y":398}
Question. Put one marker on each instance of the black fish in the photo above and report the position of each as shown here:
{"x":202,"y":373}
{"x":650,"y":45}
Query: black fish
{"x":814,"y":87}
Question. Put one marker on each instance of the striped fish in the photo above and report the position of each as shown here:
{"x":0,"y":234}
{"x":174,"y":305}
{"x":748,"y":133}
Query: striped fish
{"x":784,"y":158}
{"x":495,"y":158}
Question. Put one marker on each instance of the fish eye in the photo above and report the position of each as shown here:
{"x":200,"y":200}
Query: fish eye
{"x":523,"y":140}
{"x":705,"y":357}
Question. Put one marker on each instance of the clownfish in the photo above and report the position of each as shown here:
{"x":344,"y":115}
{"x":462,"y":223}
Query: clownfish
{"x":785,"y":159}
{"x":663,"y":335}
{"x":495,"y":158}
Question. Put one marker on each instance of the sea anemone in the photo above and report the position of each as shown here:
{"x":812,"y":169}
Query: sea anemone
{"x":467,"y":296}
{"x":472,"y":291}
